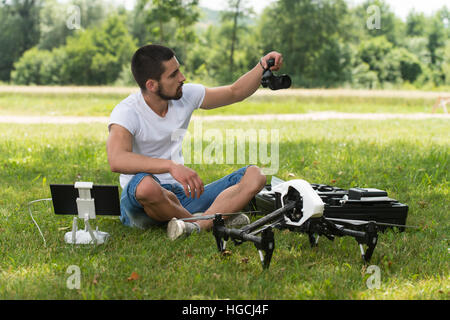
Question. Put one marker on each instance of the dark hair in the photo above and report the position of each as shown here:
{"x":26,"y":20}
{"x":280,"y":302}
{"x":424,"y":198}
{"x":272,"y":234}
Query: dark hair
{"x":147,"y":63}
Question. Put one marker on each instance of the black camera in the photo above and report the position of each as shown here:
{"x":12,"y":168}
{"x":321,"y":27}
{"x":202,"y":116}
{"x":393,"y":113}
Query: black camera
{"x":272,"y":81}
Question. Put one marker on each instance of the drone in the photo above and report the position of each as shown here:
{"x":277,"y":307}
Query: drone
{"x":316,"y":210}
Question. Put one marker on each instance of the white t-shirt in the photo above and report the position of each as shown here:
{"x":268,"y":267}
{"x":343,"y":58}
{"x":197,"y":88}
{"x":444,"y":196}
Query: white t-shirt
{"x":155,"y":136}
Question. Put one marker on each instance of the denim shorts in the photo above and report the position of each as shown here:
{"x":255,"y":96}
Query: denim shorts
{"x":132,"y":213}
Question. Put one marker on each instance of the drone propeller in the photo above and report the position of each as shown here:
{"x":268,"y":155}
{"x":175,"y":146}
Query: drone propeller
{"x":212,"y":216}
{"x":363,"y":222}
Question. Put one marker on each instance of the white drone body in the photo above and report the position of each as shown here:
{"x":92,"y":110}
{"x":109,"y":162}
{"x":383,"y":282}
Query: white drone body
{"x":313,"y":205}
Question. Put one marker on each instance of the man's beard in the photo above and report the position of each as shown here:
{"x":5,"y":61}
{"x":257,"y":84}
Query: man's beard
{"x":163,"y":96}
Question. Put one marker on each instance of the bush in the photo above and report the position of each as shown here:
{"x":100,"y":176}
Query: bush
{"x":374,"y":53}
{"x":363,"y":77}
{"x":392,"y":65}
{"x":79,"y":52}
{"x":39,"y":67}
{"x":90,"y":57}
{"x":28,"y":68}
{"x":409,"y":65}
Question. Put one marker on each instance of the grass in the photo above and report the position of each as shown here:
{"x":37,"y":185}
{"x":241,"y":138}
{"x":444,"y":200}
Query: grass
{"x":409,"y":159}
{"x":101,"y":104}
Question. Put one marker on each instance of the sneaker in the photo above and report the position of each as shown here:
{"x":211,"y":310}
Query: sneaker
{"x":238,"y":220}
{"x":181,"y":229}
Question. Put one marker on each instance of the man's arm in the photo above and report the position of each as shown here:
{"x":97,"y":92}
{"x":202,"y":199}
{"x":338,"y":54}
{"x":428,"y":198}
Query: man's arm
{"x":122,"y":159}
{"x":244,"y":87}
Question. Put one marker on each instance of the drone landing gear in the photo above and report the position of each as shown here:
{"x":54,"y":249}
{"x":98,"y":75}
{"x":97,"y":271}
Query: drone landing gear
{"x":322,"y":226}
{"x":265,"y":244}
{"x":370,"y":240}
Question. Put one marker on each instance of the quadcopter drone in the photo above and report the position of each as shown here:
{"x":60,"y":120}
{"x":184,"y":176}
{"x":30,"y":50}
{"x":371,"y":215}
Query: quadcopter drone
{"x":316,"y":210}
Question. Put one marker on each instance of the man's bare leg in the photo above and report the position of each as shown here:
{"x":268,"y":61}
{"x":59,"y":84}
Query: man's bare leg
{"x":236,"y":197}
{"x":162,"y":205}
{"x":159,"y":203}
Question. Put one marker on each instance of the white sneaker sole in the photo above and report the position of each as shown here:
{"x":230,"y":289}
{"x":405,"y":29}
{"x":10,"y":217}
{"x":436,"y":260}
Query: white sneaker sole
{"x":175,"y":228}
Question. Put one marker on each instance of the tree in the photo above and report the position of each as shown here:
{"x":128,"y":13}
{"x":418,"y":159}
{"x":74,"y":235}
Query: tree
{"x":446,"y":64}
{"x":415,"y":24}
{"x":167,"y":22}
{"x":377,"y":53}
{"x":90,"y":57}
{"x":19,"y":31}
{"x":158,"y":14}
{"x":232,"y":29}
{"x":96,"y":56}
{"x":419,"y":47}
{"x":392,"y":27}
{"x":307,"y":34}
{"x":54,"y":18}
{"x":436,"y":34}
{"x":409,"y":64}
{"x":53,"y":25}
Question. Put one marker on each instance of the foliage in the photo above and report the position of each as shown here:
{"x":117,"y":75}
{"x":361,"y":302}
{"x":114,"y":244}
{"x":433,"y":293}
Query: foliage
{"x":409,"y":64}
{"x":363,"y":77}
{"x":19,"y":31}
{"x":446,"y":65}
{"x":92,"y":56}
{"x":102,"y":52}
{"x":375,"y":53}
{"x":308,"y":35}
{"x":39,"y":67}
{"x":166,"y":22}
{"x":325,"y":43}
{"x":54,"y":16}
{"x":391,"y":27}
{"x":416,"y":24}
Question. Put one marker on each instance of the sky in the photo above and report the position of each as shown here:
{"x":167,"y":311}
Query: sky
{"x":400,"y":7}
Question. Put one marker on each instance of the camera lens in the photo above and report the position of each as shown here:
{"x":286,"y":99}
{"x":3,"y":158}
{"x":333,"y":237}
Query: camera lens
{"x":280,"y":82}
{"x":285,"y":81}
{"x":275,"y":82}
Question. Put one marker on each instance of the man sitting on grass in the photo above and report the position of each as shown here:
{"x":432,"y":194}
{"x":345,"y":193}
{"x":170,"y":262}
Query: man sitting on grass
{"x":157,"y":187}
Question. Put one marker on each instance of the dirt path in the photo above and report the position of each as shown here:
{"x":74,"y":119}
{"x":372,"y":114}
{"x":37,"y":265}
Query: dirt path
{"x":261,"y":92}
{"x":261,"y":117}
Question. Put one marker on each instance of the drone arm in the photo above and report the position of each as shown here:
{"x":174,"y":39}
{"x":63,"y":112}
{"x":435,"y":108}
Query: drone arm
{"x":359,"y":235}
{"x":272,"y":217}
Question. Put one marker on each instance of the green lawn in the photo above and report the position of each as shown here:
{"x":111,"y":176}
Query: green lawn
{"x":101,"y":104}
{"x":409,"y":159}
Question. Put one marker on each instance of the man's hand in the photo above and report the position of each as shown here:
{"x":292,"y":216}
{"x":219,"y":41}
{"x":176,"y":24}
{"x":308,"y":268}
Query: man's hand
{"x":278,"y":60}
{"x":189,"y":180}
{"x":244,"y":87}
